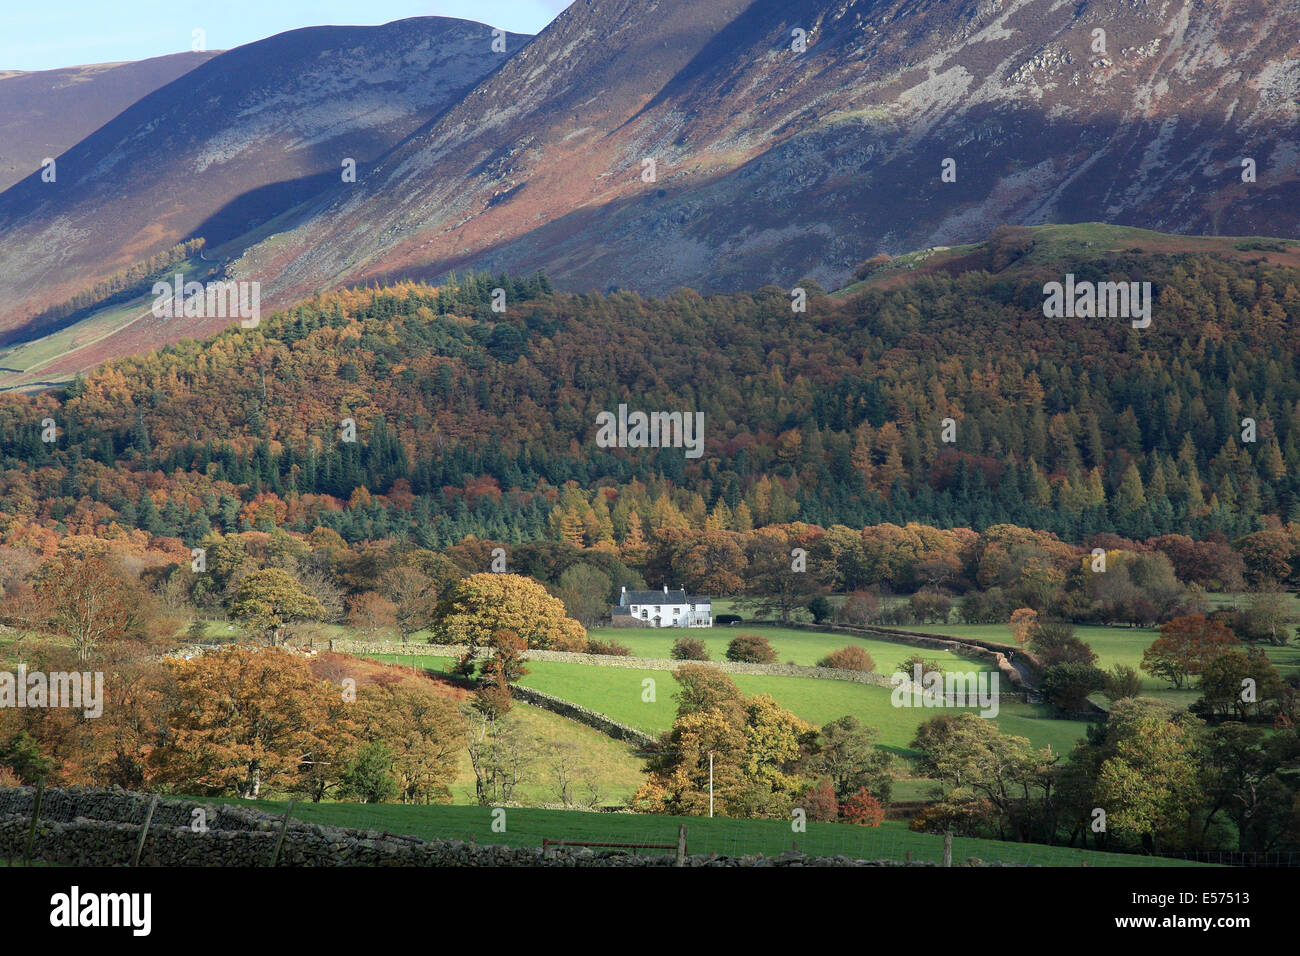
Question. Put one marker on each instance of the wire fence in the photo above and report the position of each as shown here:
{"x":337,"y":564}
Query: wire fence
{"x":566,"y":831}
{"x":726,"y":837}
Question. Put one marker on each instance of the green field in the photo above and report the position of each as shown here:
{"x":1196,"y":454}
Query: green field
{"x":617,"y":692}
{"x":729,"y":837}
{"x":790,"y":644}
{"x":1116,"y":645}
{"x":611,"y":765}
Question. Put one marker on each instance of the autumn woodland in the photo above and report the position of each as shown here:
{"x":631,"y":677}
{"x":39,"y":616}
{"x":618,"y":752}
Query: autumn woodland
{"x":415,"y":464}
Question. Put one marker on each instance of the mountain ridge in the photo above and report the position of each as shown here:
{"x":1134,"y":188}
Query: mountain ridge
{"x":45,"y":112}
{"x":925,"y":98}
{"x":252,"y":132}
{"x":772,"y":165}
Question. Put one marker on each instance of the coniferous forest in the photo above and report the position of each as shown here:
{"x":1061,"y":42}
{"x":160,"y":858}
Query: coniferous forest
{"x":472,"y":421}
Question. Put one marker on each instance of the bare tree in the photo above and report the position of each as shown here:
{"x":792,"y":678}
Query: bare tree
{"x":562,"y":759}
{"x":320,"y":585}
{"x":594,"y":786}
{"x":500,"y":754}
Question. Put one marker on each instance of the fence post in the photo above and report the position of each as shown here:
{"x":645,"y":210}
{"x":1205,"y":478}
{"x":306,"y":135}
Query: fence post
{"x":144,"y":830}
{"x":681,"y":845}
{"x":284,"y":826}
{"x":36,"y":818}
{"x":947,"y":848}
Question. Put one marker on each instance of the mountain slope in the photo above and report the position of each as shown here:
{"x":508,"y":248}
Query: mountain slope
{"x":470,"y":421}
{"x":228,"y":146}
{"x":45,"y":112}
{"x":773,"y":164}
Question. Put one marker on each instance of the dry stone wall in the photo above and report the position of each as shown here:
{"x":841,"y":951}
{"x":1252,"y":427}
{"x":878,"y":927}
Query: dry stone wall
{"x":583,"y":715}
{"x":101,"y":827}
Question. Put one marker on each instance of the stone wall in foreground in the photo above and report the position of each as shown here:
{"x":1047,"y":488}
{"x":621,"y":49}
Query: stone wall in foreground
{"x":83,"y":826}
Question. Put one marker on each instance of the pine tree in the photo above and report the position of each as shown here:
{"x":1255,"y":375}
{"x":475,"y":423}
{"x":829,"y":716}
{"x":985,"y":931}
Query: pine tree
{"x":1130,"y":496}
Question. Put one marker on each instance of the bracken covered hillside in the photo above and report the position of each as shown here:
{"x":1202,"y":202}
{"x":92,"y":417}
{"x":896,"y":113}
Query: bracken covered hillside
{"x":771,"y":164}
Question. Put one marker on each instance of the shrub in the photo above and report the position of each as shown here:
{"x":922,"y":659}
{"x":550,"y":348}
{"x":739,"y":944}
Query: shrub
{"x":1068,"y":685}
{"x":689,"y":649}
{"x":860,"y":607}
{"x":1123,"y":681}
{"x":1073,"y":651}
{"x":728,"y":619}
{"x":851,"y":658}
{"x":820,"y":608}
{"x":863,"y":809}
{"x":908,"y":666}
{"x":820,"y":804}
{"x":1044,"y":634}
{"x":608,"y":648}
{"x":1054,"y":643}
{"x":750,"y":649}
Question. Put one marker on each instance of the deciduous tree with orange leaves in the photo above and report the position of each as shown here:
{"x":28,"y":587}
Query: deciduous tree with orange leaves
{"x":88,"y":601}
{"x":1022,"y":624}
{"x":249,"y":718}
{"x":1185,"y":647}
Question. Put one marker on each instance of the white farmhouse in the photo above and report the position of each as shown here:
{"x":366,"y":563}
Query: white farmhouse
{"x":669,"y":609}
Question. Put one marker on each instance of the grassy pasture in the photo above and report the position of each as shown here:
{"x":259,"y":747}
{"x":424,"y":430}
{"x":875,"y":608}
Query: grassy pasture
{"x":618,"y":693}
{"x":791,"y":645}
{"x":611,"y":765}
{"x":730,"y":837}
{"x":1115,"y":645}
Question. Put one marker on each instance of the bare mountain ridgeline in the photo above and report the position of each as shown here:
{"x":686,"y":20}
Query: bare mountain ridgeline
{"x":44,"y":113}
{"x":227,"y":147}
{"x":714,"y":144}
{"x":768,"y":163}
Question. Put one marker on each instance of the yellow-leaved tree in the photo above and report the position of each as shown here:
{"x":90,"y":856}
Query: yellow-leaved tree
{"x":478,"y":606}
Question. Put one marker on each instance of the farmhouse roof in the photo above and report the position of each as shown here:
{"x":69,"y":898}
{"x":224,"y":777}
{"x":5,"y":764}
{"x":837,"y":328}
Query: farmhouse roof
{"x":656,"y":597}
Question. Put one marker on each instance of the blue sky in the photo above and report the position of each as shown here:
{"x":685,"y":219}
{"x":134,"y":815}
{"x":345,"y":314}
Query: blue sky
{"x":47,"y":34}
